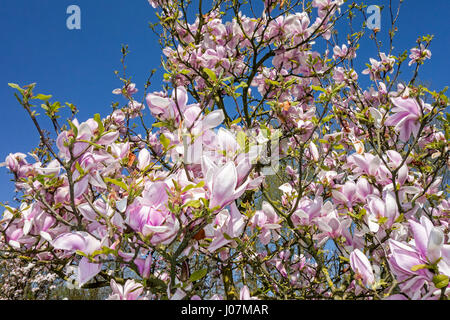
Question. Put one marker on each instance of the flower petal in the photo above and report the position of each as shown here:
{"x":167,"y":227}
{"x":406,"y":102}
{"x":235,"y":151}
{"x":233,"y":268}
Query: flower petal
{"x":224,"y":185}
{"x":87,"y":270}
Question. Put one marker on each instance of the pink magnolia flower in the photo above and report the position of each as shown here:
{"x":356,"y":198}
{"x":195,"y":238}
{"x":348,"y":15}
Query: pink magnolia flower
{"x":346,"y":195}
{"x":15,"y":161}
{"x":144,"y":265}
{"x":130,"y":89}
{"x":362,"y":267}
{"x":149,"y":215}
{"x":149,"y":220}
{"x":222,"y":182}
{"x":134,"y":109}
{"x":325,"y":5}
{"x":402,"y":260}
{"x":426,"y":248}
{"x":168,"y":108}
{"x":100,"y":206}
{"x":333,"y":226}
{"x":376,"y":67}
{"x":85,"y":131}
{"x":117,"y":117}
{"x":230,"y":222}
{"x":296,"y":26}
{"x":342,"y":52}
{"x":77,"y":240}
{"x":365,"y":163}
{"x":307,"y":210}
{"x":378,"y":209}
{"x":268,"y":221}
{"x":85,"y":243}
{"x":406,"y":117}
{"x":364,"y":189}
{"x":429,"y":241}
{"x":130,"y":291}
{"x":418,"y":55}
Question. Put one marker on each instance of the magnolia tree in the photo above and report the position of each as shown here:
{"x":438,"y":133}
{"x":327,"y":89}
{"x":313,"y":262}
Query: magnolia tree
{"x":266,"y":170}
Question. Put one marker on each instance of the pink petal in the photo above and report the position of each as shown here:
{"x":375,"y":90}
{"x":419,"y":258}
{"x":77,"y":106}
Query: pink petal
{"x":81,"y":186}
{"x":69,"y":241}
{"x":180,"y":94}
{"x":403,"y":174}
{"x":143,"y":159}
{"x":132,"y":290}
{"x":374,"y":165}
{"x":191,"y":115}
{"x":435,"y":244}
{"x":224,"y":185}
{"x":108,"y":138}
{"x":339,"y":196}
{"x":391,"y":210}
{"x":420,"y":237}
{"x":87,"y":270}
{"x":360,"y":264}
{"x":155,"y":194}
{"x":213,"y":119}
{"x":395,"y":157}
{"x":409,"y":105}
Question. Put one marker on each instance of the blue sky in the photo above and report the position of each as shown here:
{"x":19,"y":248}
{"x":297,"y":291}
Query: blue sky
{"x":77,"y":65}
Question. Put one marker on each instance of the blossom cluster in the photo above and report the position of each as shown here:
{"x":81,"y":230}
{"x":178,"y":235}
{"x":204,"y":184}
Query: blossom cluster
{"x":354,"y":206}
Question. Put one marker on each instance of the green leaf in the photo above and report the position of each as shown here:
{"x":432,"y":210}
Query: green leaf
{"x":117,"y":183}
{"x":167,"y":76}
{"x":192,"y":186}
{"x":328,"y":118}
{"x":211,"y":74}
{"x":97,"y":119}
{"x":43,"y":97}
{"x":193,"y":204}
{"x":317,"y":88}
{"x":16,"y":86}
{"x":81,"y":253}
{"x":242,"y":84}
{"x":400,"y":218}
{"x":227,"y":237}
{"x":440,"y":281}
{"x":79,"y":168}
{"x":164,"y":141}
{"x":339,"y":87}
{"x":71,"y":106}
{"x":236,"y":121}
{"x":272,"y":82}
{"x":185,"y":71}
{"x":419,"y":267}
{"x":382,"y":220}
{"x":103,"y":250}
{"x":241,"y":138}
{"x":159,"y":124}
{"x":197,"y":275}
{"x":92,"y":143}
{"x":73,"y":127}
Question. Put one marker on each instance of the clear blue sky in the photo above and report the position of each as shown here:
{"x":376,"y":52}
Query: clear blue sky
{"x":77,"y":65}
